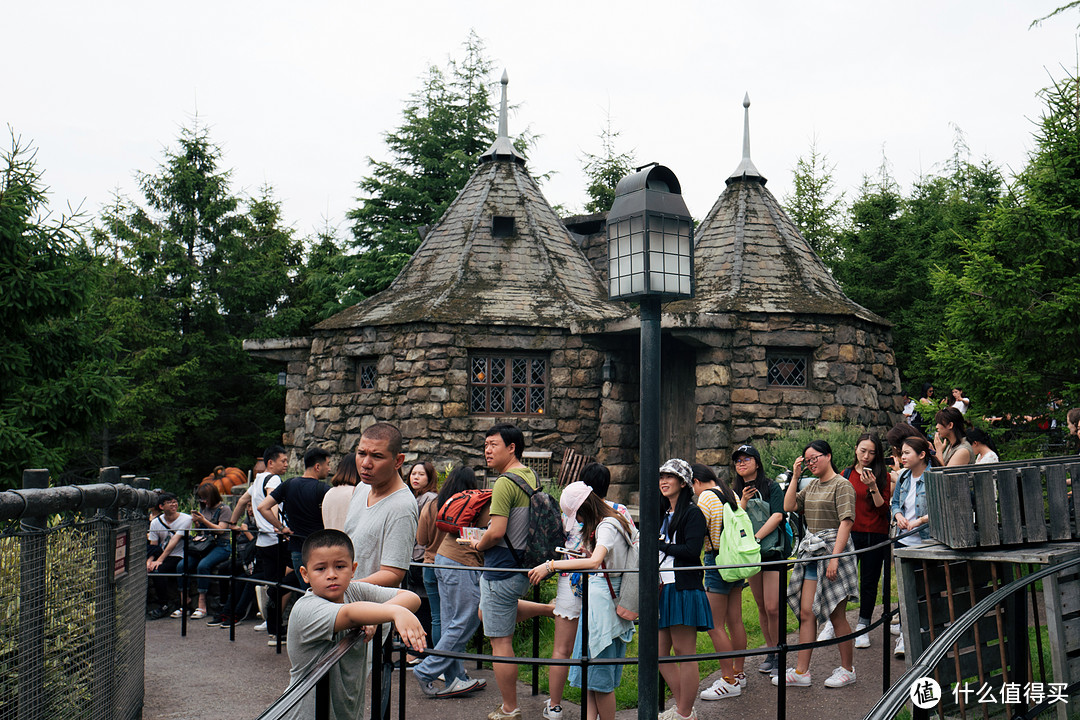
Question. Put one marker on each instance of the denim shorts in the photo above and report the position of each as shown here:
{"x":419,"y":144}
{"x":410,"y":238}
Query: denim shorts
{"x":811,"y":571}
{"x":716,"y":584}
{"x":498,"y":603}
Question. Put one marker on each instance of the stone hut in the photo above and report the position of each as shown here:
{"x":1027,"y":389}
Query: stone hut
{"x":481,"y":326}
{"x":502,"y":315}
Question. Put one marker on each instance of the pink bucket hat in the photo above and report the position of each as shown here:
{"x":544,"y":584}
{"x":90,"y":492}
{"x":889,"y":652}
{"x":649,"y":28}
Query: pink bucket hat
{"x":573,"y":495}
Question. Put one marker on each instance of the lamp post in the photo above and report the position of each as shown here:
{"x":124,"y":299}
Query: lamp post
{"x":651,"y":259}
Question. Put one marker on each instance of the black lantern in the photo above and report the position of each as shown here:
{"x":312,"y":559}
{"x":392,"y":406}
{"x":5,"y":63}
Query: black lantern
{"x":650,"y":237}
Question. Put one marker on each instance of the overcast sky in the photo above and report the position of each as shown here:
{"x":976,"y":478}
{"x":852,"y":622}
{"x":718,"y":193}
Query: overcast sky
{"x":298,"y":95}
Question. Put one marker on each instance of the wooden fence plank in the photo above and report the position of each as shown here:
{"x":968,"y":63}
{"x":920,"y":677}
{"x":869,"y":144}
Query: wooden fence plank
{"x":986,"y":511}
{"x":1033,"y":507}
{"x":1057,"y":500}
{"x":1009,"y":504}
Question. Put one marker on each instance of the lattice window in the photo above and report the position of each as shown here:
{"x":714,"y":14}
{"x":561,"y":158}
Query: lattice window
{"x":366,"y":374}
{"x":787,"y":368}
{"x":507,"y":385}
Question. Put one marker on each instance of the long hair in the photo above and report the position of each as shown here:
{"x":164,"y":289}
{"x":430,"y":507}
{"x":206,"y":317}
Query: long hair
{"x":461,"y":478}
{"x":592,"y":511}
{"x":954,"y":416}
{"x":346,"y":473}
{"x":920,"y":446}
{"x":686,"y":499}
{"x":432,"y":478}
{"x":877,"y":465}
{"x":706,"y":474}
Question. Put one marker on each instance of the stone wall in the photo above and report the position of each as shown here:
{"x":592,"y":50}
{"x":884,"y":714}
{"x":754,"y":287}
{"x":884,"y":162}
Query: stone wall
{"x":422,"y":387}
{"x":852,"y":378}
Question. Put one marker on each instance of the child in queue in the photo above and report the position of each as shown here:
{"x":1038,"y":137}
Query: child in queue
{"x":334,"y":604}
{"x":820,"y":590}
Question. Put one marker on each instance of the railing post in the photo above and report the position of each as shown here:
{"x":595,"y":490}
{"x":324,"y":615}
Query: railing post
{"x":536,"y":644}
{"x":103,"y":648}
{"x":31,"y":643}
{"x":781,"y":643}
{"x":585,"y":655}
{"x":886,"y":622}
{"x":184,"y":585}
{"x":375,"y":650}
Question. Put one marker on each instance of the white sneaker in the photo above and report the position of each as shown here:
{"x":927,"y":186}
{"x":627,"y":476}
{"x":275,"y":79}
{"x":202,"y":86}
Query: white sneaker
{"x":261,"y":627}
{"x":895,"y":628}
{"x":827,"y":632}
{"x":721,"y":689}
{"x":899,"y":650}
{"x":862,"y":641}
{"x":793,"y":678}
{"x":840,"y":678}
{"x":552,"y":713}
{"x":741,"y":678}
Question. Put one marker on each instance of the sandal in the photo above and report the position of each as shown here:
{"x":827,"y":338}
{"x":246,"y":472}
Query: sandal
{"x":198,"y":614}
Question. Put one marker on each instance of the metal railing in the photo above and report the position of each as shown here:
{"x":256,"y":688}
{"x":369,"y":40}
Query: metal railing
{"x":894,"y":698}
{"x":317,"y":675}
{"x":72,"y":598}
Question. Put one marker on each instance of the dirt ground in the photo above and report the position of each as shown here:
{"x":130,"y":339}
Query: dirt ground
{"x":205,"y":677}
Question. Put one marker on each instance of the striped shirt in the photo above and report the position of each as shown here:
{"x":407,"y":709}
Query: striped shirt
{"x":824,"y":504}
{"x":712,"y":507}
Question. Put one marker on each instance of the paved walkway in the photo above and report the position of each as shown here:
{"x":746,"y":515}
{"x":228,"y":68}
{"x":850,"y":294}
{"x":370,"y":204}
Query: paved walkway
{"x":205,"y":677}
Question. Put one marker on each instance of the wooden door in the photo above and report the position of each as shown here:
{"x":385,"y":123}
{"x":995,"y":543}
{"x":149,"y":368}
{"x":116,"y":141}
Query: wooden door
{"x":678,"y":410}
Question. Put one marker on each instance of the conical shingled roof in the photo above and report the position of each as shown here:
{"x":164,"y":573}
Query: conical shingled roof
{"x":534,"y":276}
{"x":749,"y":257}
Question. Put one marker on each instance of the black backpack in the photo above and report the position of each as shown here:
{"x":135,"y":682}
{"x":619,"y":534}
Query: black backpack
{"x":545,"y":526}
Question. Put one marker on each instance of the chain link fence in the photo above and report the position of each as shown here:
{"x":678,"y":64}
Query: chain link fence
{"x":72,"y":600}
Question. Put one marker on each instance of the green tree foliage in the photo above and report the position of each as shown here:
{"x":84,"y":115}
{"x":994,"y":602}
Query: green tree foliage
{"x":604,"y":171}
{"x":193,"y":274}
{"x":894,"y":244}
{"x":1011,"y":330}
{"x":447,"y":124}
{"x":57,"y":354}
{"x":814,"y":206}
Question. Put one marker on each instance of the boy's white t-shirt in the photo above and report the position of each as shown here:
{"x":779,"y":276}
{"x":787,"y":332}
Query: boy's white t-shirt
{"x":161,"y":533}
{"x":311,"y":634}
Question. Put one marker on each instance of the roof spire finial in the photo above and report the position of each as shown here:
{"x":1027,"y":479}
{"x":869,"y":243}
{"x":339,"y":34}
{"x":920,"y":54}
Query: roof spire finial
{"x":503,"y":133}
{"x":746,"y":127}
{"x":746,"y":168}
{"x":502,"y":148}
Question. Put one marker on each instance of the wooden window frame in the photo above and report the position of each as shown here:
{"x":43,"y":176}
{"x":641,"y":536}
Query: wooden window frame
{"x":495,"y":389}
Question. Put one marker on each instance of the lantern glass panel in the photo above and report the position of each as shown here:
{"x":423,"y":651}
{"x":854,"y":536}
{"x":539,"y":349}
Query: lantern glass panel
{"x":637,"y":242}
{"x":637,"y":282}
{"x":684,"y":285}
{"x":637,"y":263}
{"x":637,"y":224}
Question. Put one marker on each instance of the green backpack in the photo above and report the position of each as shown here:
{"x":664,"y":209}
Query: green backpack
{"x":738,"y":546}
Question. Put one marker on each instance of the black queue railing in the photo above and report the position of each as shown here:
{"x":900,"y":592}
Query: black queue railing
{"x":316,"y":677}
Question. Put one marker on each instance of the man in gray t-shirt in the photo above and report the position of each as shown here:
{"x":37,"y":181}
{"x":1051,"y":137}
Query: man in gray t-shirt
{"x":382,"y":516}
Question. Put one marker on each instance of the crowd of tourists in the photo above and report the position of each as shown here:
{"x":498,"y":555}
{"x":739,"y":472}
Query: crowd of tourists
{"x":458,"y":551}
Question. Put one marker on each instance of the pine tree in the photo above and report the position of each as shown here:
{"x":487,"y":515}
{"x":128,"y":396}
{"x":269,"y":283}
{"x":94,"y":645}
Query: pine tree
{"x":58,"y":377}
{"x":814,"y":207}
{"x":192,"y":276}
{"x":604,"y":171}
{"x":447,"y":124}
{"x":1011,"y":316}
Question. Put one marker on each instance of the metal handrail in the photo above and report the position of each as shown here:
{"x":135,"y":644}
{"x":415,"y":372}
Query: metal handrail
{"x":891,"y":702}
